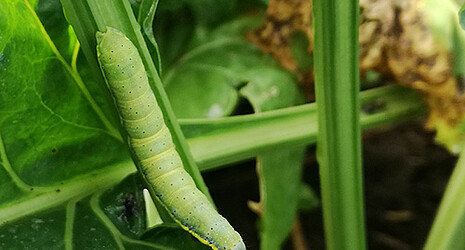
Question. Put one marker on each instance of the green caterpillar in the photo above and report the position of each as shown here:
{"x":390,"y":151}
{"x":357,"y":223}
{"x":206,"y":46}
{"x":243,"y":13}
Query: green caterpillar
{"x":152,"y":146}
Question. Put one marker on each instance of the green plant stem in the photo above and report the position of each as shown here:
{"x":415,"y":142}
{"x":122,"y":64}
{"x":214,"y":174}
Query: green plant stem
{"x":448,"y":227}
{"x":339,"y":141}
{"x":215,"y":143}
{"x":219,"y":142}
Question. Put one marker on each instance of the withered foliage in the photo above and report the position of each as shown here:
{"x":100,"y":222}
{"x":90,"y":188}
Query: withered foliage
{"x":283,"y":19}
{"x":395,"y":40}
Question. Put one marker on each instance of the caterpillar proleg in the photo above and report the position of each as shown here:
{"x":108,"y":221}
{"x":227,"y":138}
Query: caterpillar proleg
{"x":152,"y":146}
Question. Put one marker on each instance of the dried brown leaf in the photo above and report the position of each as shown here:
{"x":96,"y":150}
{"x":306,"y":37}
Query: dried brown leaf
{"x":395,"y":40}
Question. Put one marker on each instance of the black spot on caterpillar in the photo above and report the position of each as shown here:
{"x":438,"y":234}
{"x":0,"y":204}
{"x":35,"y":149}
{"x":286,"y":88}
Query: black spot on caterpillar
{"x":152,"y":146}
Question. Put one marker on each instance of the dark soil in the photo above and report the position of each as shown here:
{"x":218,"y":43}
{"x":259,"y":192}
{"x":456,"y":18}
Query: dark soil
{"x":405,"y":174}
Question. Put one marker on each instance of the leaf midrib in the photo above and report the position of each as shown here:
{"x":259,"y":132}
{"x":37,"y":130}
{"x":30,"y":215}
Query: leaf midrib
{"x":46,"y":197}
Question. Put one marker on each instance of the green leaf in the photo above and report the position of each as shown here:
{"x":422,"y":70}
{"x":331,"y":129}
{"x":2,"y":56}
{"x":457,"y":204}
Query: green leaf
{"x":236,"y":28}
{"x":300,"y":51}
{"x":206,"y":12}
{"x":51,"y":15}
{"x":197,"y":92}
{"x":308,"y":199}
{"x":280,"y":173}
{"x":462,"y":17}
{"x":145,"y":18}
{"x":135,"y":5}
{"x":271,"y":87}
{"x":44,"y":142}
{"x":449,"y":224}
{"x":107,"y":219}
{"x":179,"y":30}
{"x":173,"y":33}
{"x":207,"y":76}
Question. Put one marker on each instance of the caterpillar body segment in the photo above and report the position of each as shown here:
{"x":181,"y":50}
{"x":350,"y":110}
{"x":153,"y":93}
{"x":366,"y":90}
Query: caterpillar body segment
{"x":152,"y":146}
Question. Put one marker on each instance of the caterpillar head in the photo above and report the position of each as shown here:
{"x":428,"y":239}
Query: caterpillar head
{"x":113,"y":46}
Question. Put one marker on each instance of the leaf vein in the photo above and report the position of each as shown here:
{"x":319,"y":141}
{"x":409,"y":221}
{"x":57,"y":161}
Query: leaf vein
{"x":76,"y":77}
{"x":7,"y":166}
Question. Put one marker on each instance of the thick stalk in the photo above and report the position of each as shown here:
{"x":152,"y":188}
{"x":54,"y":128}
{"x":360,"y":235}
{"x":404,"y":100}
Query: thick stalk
{"x":338,"y":142}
